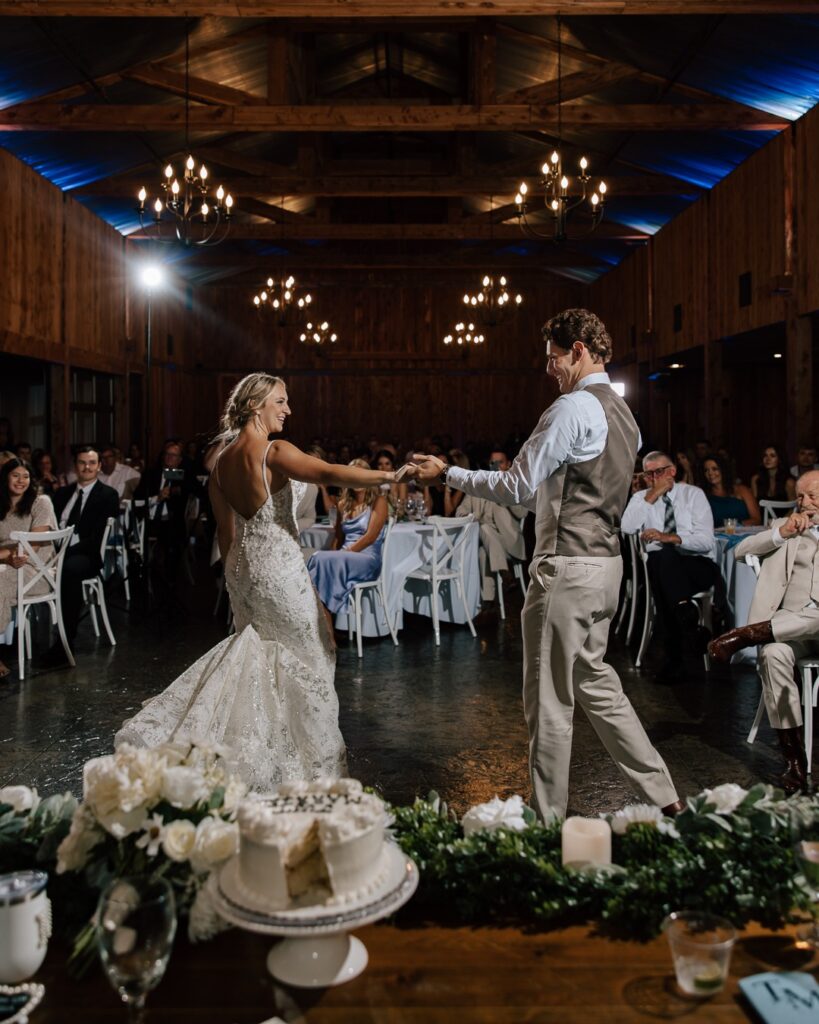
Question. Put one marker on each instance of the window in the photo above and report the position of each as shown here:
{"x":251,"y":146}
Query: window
{"x":92,"y":408}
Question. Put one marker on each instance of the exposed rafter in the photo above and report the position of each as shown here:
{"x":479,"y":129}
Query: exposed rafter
{"x":498,"y":117}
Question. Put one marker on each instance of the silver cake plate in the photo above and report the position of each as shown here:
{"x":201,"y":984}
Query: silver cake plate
{"x":316,"y":950}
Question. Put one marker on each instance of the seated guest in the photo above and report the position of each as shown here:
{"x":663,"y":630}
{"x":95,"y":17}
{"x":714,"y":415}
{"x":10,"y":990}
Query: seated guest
{"x":805,"y":459}
{"x":44,"y":474}
{"x":773,"y":481}
{"x":5,"y":456}
{"x":674,"y":521}
{"x":501,"y":536}
{"x":686,"y":462}
{"x":435,"y":494}
{"x":167,"y":488}
{"x":86,"y":506}
{"x":728,"y":500}
{"x":124,"y":479}
{"x":23,"y":451}
{"x":135,"y":459}
{"x":21,"y":508}
{"x":784,"y":617}
{"x":385,"y":460}
{"x":355,"y":556}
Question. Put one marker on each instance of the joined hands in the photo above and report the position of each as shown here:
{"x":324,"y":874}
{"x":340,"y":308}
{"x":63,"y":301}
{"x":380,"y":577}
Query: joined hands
{"x":427,"y":467}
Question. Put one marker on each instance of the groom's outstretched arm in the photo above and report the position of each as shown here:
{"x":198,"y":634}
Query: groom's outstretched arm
{"x":560,"y":429}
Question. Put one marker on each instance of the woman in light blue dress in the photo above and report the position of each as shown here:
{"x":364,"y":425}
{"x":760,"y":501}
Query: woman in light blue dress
{"x":355,"y":556}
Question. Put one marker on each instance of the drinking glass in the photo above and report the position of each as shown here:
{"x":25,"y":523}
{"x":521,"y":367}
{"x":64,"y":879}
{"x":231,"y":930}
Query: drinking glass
{"x":701,"y":947}
{"x":729,"y":525}
{"x":807,"y":859}
{"x":136,"y":923}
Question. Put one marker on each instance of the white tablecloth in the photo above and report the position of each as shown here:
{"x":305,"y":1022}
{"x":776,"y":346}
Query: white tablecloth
{"x":740,"y":583}
{"x":409,"y":548}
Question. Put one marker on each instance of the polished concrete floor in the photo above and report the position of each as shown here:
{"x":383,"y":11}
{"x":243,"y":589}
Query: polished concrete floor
{"x":415,"y":717}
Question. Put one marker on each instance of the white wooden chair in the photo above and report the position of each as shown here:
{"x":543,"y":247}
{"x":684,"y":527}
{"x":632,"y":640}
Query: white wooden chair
{"x":374,"y":588}
{"x":446,"y":565}
{"x":47,"y":564}
{"x":808,"y":669}
{"x":775,"y":509}
{"x":704,"y":602}
{"x":93,"y":589}
{"x":627,"y":612}
{"x":115,"y":557}
{"x":518,"y":573}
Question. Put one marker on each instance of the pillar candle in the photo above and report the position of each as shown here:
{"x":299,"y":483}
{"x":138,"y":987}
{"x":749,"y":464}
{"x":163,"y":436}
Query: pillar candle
{"x":587,"y":840}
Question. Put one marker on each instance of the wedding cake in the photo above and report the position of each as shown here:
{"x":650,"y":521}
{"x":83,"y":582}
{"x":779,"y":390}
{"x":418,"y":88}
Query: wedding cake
{"x":311,"y":843}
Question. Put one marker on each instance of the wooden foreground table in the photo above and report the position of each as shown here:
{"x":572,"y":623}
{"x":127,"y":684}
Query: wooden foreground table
{"x":429,"y":975}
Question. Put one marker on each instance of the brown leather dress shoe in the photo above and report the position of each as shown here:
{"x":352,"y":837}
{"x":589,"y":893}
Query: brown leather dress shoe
{"x":723,"y":647}
{"x":672,"y":810}
{"x":795,"y":777}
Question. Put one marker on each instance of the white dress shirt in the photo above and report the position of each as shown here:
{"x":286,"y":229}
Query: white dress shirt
{"x":120,"y":478}
{"x":692,"y":514}
{"x":81,"y":495}
{"x":573,"y":429}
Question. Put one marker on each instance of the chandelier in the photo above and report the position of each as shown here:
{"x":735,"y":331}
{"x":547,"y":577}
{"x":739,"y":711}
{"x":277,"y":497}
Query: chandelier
{"x":317,"y":334}
{"x":493,"y":303}
{"x":464,"y":334}
{"x":198,"y":219}
{"x":560,"y":196}
{"x":279,"y":297}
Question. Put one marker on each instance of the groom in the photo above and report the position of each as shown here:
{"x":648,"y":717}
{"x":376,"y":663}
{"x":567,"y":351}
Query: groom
{"x":574,"y":472}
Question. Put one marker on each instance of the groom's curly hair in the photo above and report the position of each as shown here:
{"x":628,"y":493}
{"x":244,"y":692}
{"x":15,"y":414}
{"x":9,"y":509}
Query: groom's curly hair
{"x":580,"y":325}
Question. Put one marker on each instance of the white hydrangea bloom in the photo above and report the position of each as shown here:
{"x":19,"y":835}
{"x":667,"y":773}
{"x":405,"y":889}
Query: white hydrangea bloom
{"x":495,"y":814}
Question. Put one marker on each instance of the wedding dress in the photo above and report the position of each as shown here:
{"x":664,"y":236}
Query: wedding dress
{"x":268,"y":691}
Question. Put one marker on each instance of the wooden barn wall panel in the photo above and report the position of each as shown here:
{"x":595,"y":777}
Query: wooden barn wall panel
{"x":747,"y":234}
{"x":681,"y":282}
{"x":807,"y":210}
{"x":31,"y":219}
{"x":620,"y":299}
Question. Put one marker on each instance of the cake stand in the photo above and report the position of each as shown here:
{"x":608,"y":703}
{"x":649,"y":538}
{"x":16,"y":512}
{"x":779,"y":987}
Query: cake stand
{"x":316,"y":950}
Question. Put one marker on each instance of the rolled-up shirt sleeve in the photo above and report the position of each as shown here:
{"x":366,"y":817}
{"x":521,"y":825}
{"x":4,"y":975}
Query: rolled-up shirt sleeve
{"x":637,"y":510}
{"x":559,"y":430}
{"x":699,"y":538}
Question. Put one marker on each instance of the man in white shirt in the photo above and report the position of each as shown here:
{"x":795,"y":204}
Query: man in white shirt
{"x":116,"y":474}
{"x":574,"y":473}
{"x":805,"y":460}
{"x":784,"y":617}
{"x":675,"y":522}
{"x":501,"y":536}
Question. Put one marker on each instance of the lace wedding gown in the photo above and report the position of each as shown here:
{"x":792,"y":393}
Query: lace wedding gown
{"x":267,"y":692}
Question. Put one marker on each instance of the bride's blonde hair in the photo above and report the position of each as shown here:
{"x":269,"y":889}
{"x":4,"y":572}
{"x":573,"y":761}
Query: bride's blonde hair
{"x":244,"y":402}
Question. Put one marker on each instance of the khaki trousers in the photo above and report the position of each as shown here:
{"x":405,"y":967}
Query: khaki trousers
{"x":565,"y":624}
{"x":797,"y":636}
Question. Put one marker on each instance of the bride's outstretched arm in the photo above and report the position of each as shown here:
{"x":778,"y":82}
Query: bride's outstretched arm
{"x":290,"y":461}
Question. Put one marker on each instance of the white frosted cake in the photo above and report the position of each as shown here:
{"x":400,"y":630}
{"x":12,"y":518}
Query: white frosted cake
{"x":311,"y":843}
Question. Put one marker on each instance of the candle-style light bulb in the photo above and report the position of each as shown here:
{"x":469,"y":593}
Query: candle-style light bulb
{"x":276,"y":303}
{"x":485,"y":281}
{"x":523,"y":188}
{"x":555,"y":157}
{"x":205,"y":209}
{"x":203,"y":172}
{"x":270,"y":282}
{"x":555,"y":204}
{"x":595,"y":199}
{"x":503,"y":282}
{"x":287,"y":295}
{"x":220,"y":193}
{"x":518,"y":299}
{"x":189,"y":163}
{"x":564,"y":182}
{"x":308,"y":298}
{"x":264,"y":296}
{"x":229,"y":201}
{"x":603,"y":188}
{"x":545,"y":169}
{"x":169,"y":171}
{"x":143,"y":195}
{"x":158,"y":207}
{"x":584,"y":163}
{"x":175,"y":187}
{"x":518,"y":199}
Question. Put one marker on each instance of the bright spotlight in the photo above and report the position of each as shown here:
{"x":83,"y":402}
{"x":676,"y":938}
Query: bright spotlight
{"x":151,"y":276}
{"x":619,"y":388}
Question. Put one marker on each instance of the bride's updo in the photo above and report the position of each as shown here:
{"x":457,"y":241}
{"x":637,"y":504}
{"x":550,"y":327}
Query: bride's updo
{"x":244,"y":402}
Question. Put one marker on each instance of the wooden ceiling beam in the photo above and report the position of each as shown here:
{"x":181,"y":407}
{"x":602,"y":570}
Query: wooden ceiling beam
{"x":388,"y":117}
{"x":396,"y":232}
{"x":199,"y":89}
{"x":572,"y":87}
{"x":330,"y":9}
{"x":257,"y":267}
{"x":290,"y":183}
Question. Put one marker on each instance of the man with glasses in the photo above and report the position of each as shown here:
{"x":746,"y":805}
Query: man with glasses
{"x":675,"y":522}
{"x":574,"y":473}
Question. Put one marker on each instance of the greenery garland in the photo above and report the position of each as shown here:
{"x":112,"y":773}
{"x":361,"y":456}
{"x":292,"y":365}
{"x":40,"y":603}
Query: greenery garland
{"x":738,"y":862}
{"x":731,"y":851}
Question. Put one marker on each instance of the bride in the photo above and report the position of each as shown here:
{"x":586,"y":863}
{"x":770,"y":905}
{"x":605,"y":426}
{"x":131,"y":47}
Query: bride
{"x":267,"y":691}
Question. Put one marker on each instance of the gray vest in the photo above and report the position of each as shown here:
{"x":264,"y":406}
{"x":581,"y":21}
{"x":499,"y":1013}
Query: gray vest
{"x":804,"y":576}
{"x":580,"y":506}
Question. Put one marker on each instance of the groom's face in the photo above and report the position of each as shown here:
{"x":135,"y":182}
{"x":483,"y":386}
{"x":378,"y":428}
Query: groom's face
{"x":561,"y":364}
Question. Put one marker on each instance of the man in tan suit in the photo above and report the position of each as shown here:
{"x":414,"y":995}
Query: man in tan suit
{"x":784,"y":617}
{"x":574,"y":473}
{"x":500,"y":526}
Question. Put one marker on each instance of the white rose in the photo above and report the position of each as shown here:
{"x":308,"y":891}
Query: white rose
{"x":216,"y":841}
{"x":184,"y":787}
{"x":495,"y":814}
{"x":83,"y":836}
{"x":235,"y":792}
{"x":178,"y":840}
{"x":119,"y":788}
{"x":21,"y":798}
{"x":726,"y":798}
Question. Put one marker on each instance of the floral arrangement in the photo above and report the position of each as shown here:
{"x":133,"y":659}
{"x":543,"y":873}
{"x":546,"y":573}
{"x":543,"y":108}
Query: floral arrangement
{"x":730,"y":850}
{"x":165,"y":811}
{"x":170,"y":811}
